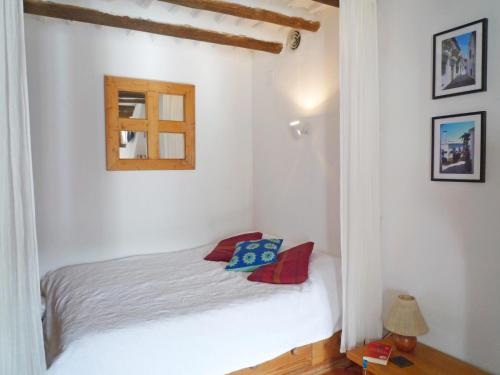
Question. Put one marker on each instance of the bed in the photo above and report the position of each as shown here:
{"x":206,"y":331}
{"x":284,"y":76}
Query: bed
{"x":174,"y":313}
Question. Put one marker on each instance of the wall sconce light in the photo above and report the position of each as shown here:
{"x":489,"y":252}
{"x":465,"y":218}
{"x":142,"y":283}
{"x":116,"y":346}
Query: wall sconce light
{"x":299,"y":128}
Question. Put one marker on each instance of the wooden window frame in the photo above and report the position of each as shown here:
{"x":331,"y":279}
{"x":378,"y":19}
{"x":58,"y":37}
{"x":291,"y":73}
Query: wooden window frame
{"x":152,"y":124}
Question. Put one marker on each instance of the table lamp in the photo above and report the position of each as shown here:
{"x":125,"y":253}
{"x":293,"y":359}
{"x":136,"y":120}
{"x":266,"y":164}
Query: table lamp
{"x":406,"y":322}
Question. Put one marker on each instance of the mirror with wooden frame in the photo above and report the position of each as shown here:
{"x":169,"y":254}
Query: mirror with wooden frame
{"x":149,"y":124}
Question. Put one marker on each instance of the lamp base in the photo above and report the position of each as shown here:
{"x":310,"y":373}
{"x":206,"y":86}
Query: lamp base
{"x":405,"y":344}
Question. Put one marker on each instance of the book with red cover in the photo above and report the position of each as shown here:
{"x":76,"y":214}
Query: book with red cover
{"x":377,"y":352}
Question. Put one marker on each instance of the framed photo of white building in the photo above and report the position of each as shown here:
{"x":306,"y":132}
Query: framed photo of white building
{"x":459,"y":147}
{"x":460,"y":60}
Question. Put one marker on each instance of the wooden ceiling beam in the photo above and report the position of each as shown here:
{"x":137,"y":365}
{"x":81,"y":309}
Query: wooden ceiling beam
{"x":87,"y":15}
{"x":333,"y":3}
{"x":244,"y":11}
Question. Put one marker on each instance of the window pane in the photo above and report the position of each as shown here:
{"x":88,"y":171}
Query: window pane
{"x":132,"y":104}
{"x":172,"y":146}
{"x":171,"y":107}
{"x":133,"y":145}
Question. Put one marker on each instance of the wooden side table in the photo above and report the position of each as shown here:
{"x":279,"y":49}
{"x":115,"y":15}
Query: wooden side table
{"x":426,"y":361}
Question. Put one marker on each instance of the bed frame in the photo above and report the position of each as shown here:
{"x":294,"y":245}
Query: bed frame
{"x":311,"y":359}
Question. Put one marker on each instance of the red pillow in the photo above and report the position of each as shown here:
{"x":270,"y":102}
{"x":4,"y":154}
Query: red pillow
{"x":292,"y":267}
{"x":224,"y":250}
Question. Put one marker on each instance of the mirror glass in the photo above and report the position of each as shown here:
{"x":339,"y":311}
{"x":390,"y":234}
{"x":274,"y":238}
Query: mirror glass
{"x":172,"y":146}
{"x":171,"y":107}
{"x":133,"y":145}
{"x":132,"y":104}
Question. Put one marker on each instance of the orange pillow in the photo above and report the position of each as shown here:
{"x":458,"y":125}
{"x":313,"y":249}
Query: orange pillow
{"x":224,"y":250}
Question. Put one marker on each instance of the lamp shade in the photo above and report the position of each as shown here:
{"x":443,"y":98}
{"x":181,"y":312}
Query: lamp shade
{"x":405,"y":318}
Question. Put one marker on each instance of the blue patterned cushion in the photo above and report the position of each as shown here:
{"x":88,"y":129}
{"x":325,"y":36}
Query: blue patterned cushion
{"x":250,"y":255}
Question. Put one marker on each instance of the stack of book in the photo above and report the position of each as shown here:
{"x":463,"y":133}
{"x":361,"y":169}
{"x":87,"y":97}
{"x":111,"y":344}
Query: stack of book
{"x":377,"y":352}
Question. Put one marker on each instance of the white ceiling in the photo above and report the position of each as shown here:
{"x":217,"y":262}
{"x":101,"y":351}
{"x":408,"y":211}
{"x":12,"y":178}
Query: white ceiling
{"x":164,"y":12}
{"x":284,"y":6}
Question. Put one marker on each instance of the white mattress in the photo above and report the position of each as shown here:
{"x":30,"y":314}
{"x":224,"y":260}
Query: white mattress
{"x":174,"y":313}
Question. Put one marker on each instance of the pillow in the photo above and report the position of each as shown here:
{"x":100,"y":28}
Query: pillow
{"x":225,"y":248}
{"x":250,"y":255}
{"x":292,"y":267}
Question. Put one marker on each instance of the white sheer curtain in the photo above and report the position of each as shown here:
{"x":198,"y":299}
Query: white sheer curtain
{"x":360,"y":173}
{"x":21,"y":339}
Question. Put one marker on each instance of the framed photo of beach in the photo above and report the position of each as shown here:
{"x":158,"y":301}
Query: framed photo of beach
{"x":460,"y":60}
{"x":459,"y":147}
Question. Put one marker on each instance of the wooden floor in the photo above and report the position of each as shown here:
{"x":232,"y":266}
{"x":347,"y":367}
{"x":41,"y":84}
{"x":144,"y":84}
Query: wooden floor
{"x":354,"y":370}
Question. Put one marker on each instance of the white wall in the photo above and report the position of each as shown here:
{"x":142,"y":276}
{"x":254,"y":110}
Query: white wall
{"x":296,"y":188}
{"x":85,"y":213}
{"x":441,"y":240}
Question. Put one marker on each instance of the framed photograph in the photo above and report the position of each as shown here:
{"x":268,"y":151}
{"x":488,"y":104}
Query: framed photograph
{"x":459,"y":147}
{"x":460,"y":60}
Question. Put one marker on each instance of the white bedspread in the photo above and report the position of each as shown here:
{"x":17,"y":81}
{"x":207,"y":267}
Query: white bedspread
{"x":175,"y":313}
